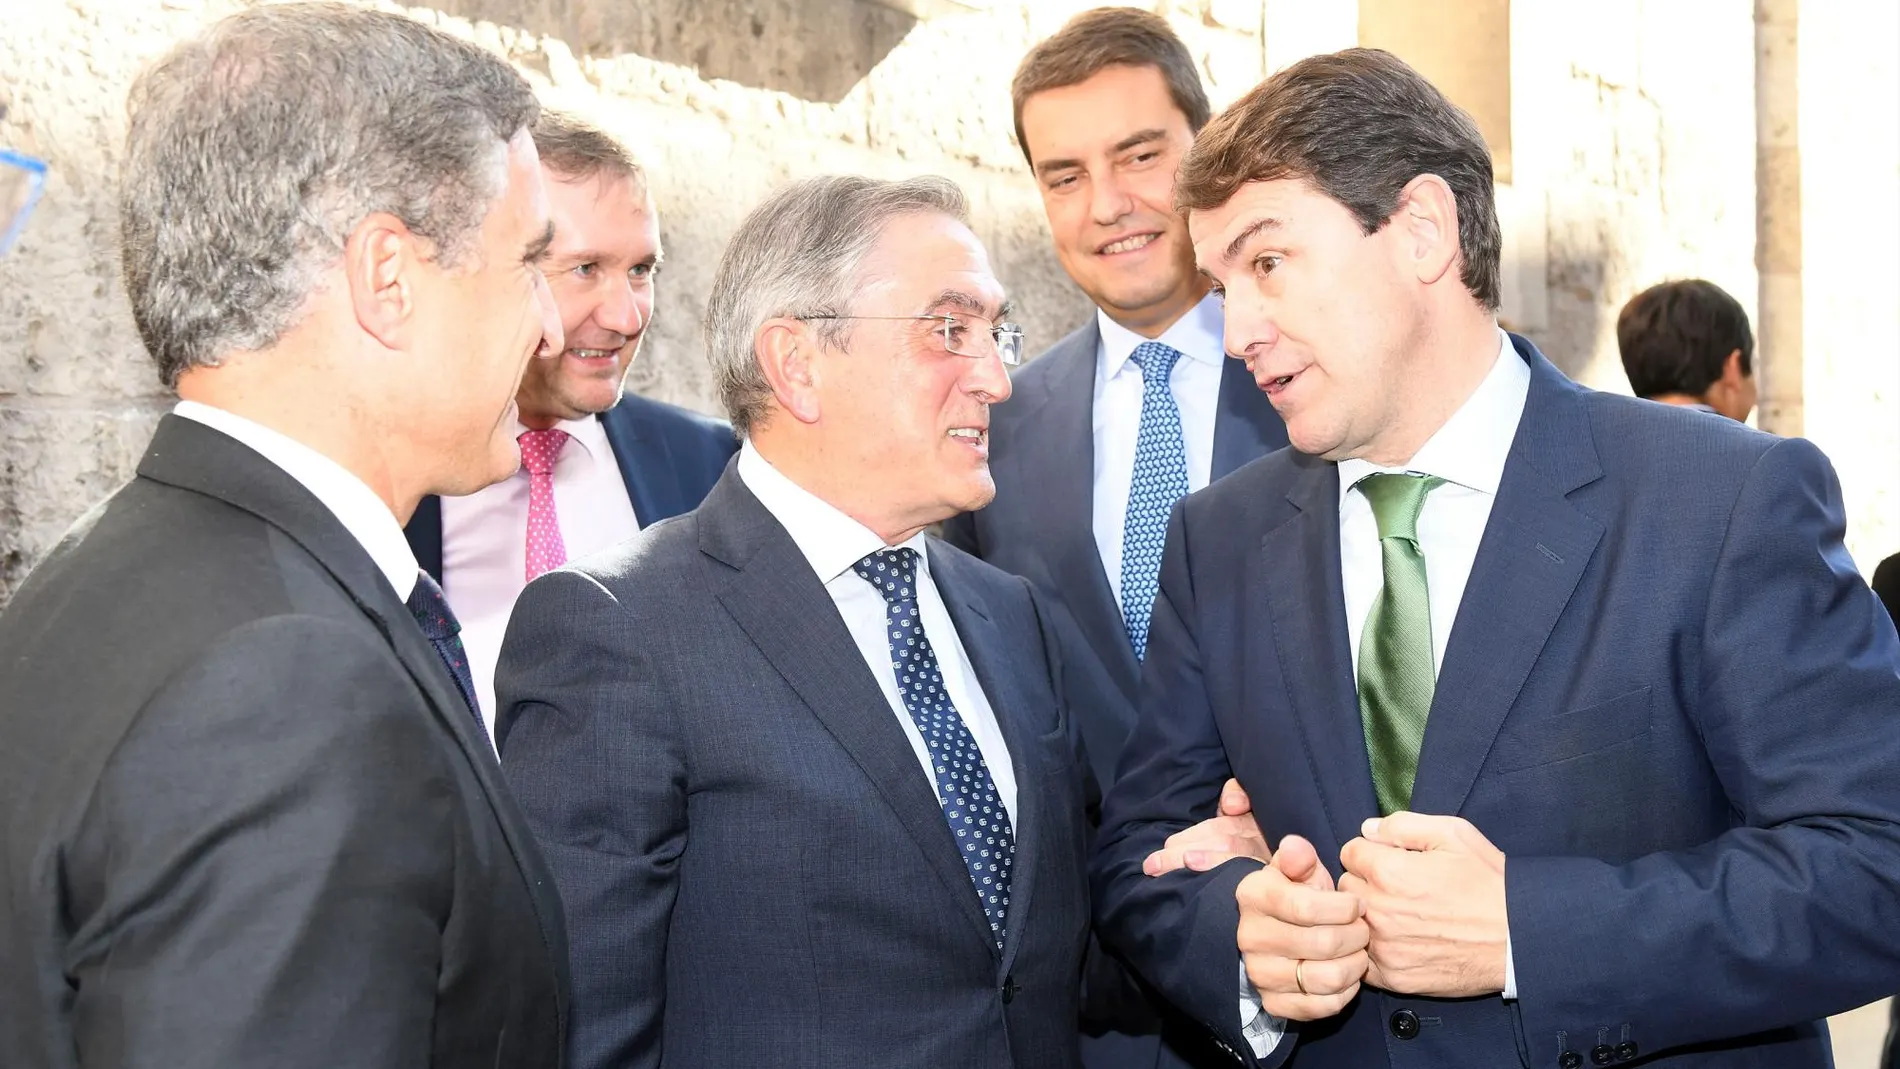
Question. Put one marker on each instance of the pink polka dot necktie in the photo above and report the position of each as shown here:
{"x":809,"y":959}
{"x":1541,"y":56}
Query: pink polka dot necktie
{"x":546,"y":550}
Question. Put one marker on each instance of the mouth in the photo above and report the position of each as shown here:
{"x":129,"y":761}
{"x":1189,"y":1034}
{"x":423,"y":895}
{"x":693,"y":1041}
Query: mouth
{"x":591,"y":354}
{"x":1132,"y":243}
{"x":974,"y":438}
{"x":1275,"y":385}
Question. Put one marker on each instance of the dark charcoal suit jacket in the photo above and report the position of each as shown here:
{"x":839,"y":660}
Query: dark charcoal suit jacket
{"x":755,"y":867}
{"x":245,"y":817}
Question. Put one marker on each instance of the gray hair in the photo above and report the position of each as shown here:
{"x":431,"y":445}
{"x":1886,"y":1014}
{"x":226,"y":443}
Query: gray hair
{"x":800,"y":254}
{"x":255,"y":149}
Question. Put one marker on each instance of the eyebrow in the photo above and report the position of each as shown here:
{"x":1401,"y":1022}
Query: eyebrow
{"x":539,"y":246}
{"x":969,"y":302}
{"x":1137,"y":138}
{"x":1241,"y":239}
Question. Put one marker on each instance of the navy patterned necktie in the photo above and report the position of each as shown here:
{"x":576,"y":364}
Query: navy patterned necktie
{"x":970,"y":803}
{"x":1159,"y":481}
{"x":432,"y":614}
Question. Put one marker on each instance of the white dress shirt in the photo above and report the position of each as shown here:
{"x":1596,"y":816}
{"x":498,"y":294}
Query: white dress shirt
{"x":1195,"y":383}
{"x":832,"y":542}
{"x":1468,"y":453}
{"x":348,"y":498}
{"x":484,"y":541}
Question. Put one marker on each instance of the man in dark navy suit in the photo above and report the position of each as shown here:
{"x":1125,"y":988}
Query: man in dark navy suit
{"x":1571,"y":716}
{"x":1113,"y":423}
{"x":597,"y":464}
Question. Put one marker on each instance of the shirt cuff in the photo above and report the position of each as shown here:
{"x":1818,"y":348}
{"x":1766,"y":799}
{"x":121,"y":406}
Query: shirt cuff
{"x":1261,"y":1029}
{"x":1510,"y":970}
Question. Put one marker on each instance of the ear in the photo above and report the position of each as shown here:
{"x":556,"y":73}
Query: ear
{"x":1427,"y":226}
{"x":787,"y":352}
{"x":381,"y":262}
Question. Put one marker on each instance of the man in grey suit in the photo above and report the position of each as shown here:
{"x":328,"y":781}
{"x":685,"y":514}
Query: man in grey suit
{"x":247,"y":815}
{"x":806,"y":776}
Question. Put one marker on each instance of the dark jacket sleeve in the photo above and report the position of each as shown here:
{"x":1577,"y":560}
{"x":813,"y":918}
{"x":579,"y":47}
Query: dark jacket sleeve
{"x":263,"y":875}
{"x":1179,"y":930}
{"x":594,"y":754}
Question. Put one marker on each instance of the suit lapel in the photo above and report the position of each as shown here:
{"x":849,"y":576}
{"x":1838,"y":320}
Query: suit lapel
{"x":779,"y":603}
{"x":1308,"y":642}
{"x":424,"y":534}
{"x":645,"y":461}
{"x":1535,"y":548}
{"x":1057,"y":455}
{"x":194,"y":457}
{"x":1246,"y":426}
{"x":998,"y":668}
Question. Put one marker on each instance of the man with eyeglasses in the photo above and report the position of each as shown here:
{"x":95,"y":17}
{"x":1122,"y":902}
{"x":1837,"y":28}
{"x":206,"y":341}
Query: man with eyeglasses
{"x":806,"y":775}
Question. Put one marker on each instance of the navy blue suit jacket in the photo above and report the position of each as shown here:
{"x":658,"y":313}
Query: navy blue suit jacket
{"x":1041,"y":527}
{"x":1668,"y":697}
{"x":756,"y":870}
{"x":669,"y":458}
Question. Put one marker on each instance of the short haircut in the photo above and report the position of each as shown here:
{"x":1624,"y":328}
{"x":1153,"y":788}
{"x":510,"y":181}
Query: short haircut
{"x":800,"y":253}
{"x":576,"y":151}
{"x":1110,"y":37}
{"x":1357,"y":126}
{"x":1675,"y":337}
{"x":255,"y":148}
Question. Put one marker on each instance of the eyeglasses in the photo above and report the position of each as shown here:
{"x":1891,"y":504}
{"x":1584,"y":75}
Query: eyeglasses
{"x":963,"y":334}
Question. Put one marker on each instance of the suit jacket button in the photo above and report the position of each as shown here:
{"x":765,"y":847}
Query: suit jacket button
{"x":1570,"y":1059}
{"x":1602,"y":1054}
{"x":1405,"y":1024}
{"x":1625,"y":1051}
{"x":1010,"y":988}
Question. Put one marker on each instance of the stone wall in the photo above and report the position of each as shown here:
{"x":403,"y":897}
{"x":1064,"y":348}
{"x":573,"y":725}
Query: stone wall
{"x":1632,"y":127}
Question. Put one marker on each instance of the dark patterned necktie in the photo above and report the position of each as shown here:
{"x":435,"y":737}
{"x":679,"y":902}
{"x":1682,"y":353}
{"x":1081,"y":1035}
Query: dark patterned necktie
{"x":964,"y":788}
{"x":432,"y":614}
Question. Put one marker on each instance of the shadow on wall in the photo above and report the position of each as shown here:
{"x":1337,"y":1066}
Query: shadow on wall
{"x":816,"y":50}
{"x":1577,"y":319}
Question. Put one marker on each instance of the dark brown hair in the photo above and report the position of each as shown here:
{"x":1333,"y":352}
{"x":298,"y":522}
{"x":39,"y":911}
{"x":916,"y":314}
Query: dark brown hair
{"x":573,"y":149}
{"x":1676,"y":337}
{"x":1357,"y":125}
{"x":1110,"y":37}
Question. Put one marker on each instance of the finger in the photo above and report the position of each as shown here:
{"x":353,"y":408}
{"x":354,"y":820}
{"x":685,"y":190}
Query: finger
{"x":1299,"y":862}
{"x":1299,"y":905}
{"x":1233,"y":800}
{"x":1368,"y":859}
{"x":1297,"y":1007}
{"x":1417,"y":831}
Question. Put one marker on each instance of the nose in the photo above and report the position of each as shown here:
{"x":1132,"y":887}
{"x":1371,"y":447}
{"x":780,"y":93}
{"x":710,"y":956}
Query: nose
{"x":553,"y":339}
{"x":988,"y":380}
{"x":1249,"y":330}
{"x":625,"y":308}
{"x":1109,"y":200}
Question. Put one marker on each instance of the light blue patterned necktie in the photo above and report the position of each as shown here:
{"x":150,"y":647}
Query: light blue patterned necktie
{"x":968,"y":795}
{"x":1160,"y":480}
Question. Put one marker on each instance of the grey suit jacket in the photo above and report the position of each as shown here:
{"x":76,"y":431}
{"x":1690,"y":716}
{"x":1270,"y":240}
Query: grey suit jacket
{"x":245,"y":817}
{"x":756,"y":870}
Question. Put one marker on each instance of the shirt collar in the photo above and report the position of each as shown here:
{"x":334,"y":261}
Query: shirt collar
{"x":1198,"y":335}
{"x":830,"y":540}
{"x":347,"y":497}
{"x":587,"y":432}
{"x":1470,"y":449}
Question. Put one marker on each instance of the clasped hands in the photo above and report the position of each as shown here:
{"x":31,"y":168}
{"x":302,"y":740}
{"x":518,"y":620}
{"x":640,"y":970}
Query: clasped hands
{"x":1419,"y":910}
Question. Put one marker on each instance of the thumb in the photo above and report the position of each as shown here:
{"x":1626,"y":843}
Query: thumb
{"x":1299,"y":862}
{"x":1414,"y":831}
{"x":1233,"y":800}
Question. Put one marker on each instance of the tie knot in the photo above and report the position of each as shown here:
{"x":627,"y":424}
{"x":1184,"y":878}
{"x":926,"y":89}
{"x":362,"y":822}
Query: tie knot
{"x":431,"y":610}
{"x":1155,"y":360}
{"x":539,"y":448}
{"x":892,"y":571}
{"x":1396,"y":500}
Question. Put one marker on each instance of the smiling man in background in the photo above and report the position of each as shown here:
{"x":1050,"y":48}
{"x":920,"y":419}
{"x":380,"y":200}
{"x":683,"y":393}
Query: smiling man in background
{"x":597,"y":464}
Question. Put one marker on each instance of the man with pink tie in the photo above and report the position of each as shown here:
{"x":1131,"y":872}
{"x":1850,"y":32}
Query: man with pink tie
{"x":596,"y":464}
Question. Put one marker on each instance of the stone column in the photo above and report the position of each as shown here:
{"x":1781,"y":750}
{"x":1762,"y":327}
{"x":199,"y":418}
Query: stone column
{"x":1778,"y":361}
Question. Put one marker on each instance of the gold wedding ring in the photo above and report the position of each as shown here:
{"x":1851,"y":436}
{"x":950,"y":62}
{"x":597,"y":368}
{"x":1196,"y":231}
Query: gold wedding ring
{"x":1298,"y":979}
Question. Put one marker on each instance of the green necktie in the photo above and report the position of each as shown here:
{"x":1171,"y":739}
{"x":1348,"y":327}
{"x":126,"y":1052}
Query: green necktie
{"x":1395,"y":650}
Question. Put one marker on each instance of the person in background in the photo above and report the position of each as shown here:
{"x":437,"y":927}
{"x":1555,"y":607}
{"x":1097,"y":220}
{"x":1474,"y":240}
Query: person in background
{"x":248,"y":816}
{"x":597,"y":463}
{"x":1688,"y":343}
